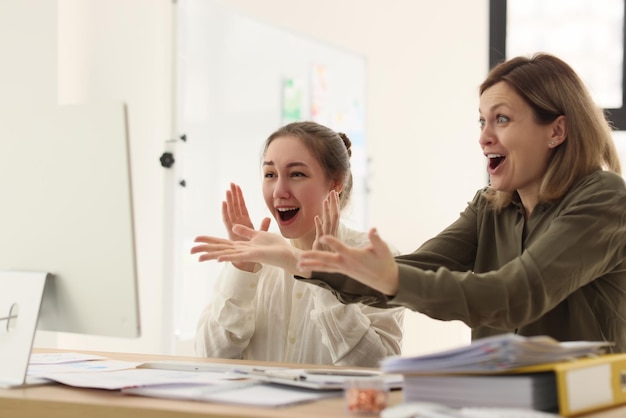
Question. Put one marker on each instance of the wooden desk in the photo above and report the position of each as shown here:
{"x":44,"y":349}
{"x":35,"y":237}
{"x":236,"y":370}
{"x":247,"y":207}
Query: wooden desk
{"x":59,"y":401}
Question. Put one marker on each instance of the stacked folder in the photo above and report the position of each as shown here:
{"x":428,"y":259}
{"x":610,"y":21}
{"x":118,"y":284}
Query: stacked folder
{"x":513,"y":371}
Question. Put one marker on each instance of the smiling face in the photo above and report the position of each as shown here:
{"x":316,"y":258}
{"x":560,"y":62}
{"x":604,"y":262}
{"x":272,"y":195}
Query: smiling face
{"x":516,"y":146}
{"x":294,"y":188}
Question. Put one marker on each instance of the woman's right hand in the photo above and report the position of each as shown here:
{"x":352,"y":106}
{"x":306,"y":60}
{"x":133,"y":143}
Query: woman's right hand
{"x":235,"y":211}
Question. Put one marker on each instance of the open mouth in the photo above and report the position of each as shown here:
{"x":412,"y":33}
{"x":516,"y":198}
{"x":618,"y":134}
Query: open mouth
{"x":495,"y":160}
{"x":287,"y":214}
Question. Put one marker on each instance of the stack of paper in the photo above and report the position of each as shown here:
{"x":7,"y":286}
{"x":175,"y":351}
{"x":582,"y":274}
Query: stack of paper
{"x":244,"y":393}
{"x":511,"y":371}
{"x":536,"y":391}
{"x":253,"y":385}
{"x":497,"y":353}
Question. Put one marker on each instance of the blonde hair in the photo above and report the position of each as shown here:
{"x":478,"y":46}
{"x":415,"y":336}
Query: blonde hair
{"x":552,"y":89}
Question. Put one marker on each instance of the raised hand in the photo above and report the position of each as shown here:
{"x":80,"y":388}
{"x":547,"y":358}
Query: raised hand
{"x":256,"y":247}
{"x":372,"y":265}
{"x":235,"y":211}
{"x":328,"y":223}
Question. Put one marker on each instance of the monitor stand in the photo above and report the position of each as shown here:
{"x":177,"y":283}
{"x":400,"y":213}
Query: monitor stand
{"x":20,"y":299}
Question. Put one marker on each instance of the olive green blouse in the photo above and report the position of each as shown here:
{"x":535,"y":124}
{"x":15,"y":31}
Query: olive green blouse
{"x":561,"y":273}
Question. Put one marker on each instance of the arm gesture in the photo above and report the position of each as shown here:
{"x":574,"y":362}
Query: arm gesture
{"x":235,"y":211}
{"x":256,"y":247}
{"x":372,"y":265}
{"x":328,"y":223}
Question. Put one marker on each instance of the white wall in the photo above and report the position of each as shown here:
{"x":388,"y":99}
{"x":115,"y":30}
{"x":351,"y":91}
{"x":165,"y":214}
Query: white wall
{"x":70,"y":51}
{"x":231,"y":68}
{"x":426,"y":60}
{"x":122,"y":51}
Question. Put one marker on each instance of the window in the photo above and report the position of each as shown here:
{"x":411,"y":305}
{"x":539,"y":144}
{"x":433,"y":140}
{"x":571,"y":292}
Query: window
{"x":588,"y":34}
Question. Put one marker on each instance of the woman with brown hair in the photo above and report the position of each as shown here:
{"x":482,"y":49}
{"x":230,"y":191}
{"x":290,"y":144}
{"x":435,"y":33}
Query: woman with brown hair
{"x":258,"y":311}
{"x":540,"y":251}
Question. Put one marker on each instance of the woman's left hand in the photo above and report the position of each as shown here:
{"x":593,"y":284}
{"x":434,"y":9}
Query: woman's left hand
{"x":256,"y":247}
{"x":372,"y":265}
{"x":328,"y":223}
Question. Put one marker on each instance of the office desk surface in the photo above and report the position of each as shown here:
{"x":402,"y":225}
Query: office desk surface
{"x":56,"y":401}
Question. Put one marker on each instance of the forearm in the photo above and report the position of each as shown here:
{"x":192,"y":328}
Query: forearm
{"x":346,"y":289}
{"x":223,"y":334}
{"x":357,"y":335}
{"x":227,"y":323}
{"x":287,"y":260}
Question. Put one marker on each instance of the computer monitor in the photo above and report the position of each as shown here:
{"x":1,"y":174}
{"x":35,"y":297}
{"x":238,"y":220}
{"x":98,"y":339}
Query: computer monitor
{"x":66,"y":210}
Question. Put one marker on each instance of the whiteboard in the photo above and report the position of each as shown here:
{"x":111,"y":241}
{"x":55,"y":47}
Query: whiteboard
{"x":238,"y":80}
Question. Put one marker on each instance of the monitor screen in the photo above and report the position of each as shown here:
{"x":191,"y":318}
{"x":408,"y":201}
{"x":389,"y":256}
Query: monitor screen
{"x":67,"y":210}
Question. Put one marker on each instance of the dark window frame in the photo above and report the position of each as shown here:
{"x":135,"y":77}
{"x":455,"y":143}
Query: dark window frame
{"x":497,"y":53}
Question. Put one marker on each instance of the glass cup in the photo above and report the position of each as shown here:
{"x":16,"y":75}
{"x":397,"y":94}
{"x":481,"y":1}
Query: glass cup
{"x":366,"y":395}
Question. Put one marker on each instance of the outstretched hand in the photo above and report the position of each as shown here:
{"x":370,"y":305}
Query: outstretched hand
{"x":255,"y":247}
{"x":235,"y":211}
{"x":372,"y":265}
